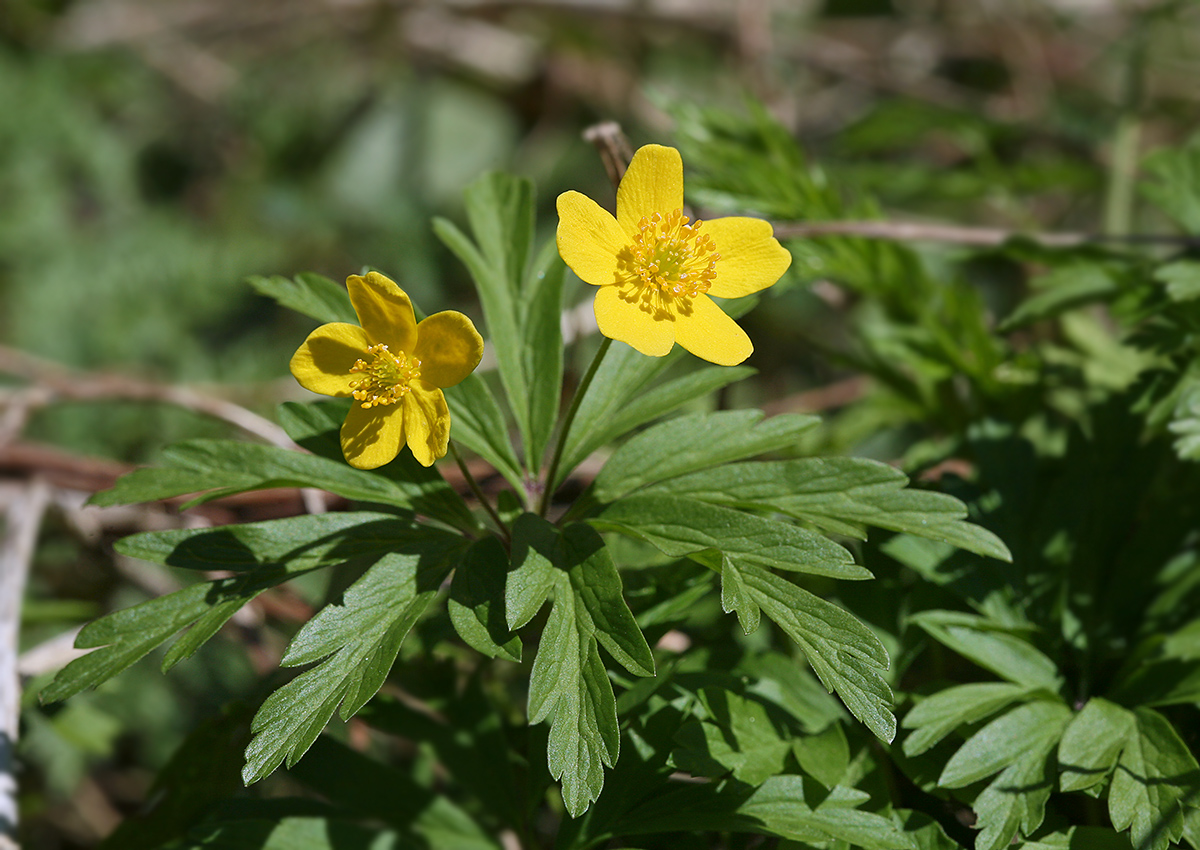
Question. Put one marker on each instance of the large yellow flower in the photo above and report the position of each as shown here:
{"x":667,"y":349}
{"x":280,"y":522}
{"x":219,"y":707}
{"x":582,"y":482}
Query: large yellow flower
{"x":394,"y":370}
{"x":656,"y":270}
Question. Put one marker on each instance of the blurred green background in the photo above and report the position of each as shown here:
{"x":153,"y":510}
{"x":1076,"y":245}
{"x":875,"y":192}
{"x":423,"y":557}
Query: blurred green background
{"x":154,"y":155}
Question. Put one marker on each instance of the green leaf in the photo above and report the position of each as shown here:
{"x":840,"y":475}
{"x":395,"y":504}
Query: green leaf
{"x":840,"y":495}
{"x":293,"y":832}
{"x":265,"y":554}
{"x":1079,"y":838}
{"x":680,"y":527}
{"x":1185,"y":419}
{"x":469,"y":737}
{"x":293,"y":544}
{"x":737,"y":735}
{"x":569,"y":685}
{"x":1015,"y":802}
{"x":476,"y":603}
{"x":1029,"y":728}
{"x":937,"y":716}
{"x":1172,"y":182}
{"x":693,"y":442}
{"x":223,"y":467}
{"x":1182,"y":279}
{"x":310,"y":294}
{"x":1006,"y":655}
{"x":315,"y":426}
{"x":1063,"y":289}
{"x":736,"y":597}
{"x":1092,"y":743}
{"x":521,"y":307}
{"x":622,"y":378}
{"x":541,"y":330}
{"x":646,"y":406}
{"x":824,"y":756}
{"x":123,"y":637}
{"x":793,"y":807}
{"x":355,"y":642}
{"x":533,"y":574}
{"x":1157,"y":781}
{"x":846,"y":655}
{"x":477,"y":422}
{"x":372,"y":789}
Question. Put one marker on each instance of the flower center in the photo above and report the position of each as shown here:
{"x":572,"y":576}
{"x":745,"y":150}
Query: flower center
{"x":386,"y":376}
{"x":667,"y":255}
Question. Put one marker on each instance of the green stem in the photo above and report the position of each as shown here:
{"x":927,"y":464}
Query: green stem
{"x":483,"y":500}
{"x":552,"y":471}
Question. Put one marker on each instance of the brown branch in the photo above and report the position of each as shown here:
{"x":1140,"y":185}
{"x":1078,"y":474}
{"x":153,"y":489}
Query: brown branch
{"x":53,"y":382}
{"x":61,"y":383}
{"x":614,"y":149}
{"x":986,"y":237}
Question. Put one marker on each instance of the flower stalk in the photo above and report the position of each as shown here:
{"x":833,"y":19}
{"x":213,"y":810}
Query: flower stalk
{"x":551,"y":480}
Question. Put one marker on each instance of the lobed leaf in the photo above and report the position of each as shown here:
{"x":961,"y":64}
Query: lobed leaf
{"x":936,"y":716}
{"x":310,"y":294}
{"x":223,"y":467}
{"x":692,"y":442}
{"x":1015,"y":802}
{"x":1006,"y":655}
{"x":1033,"y":727}
{"x":569,"y":685}
{"x":1065,"y":288}
{"x":315,"y":426}
{"x":792,"y":807}
{"x":540,"y":306}
{"x":1155,"y":785}
{"x":1092,"y":743}
{"x":846,"y":655}
{"x":476,"y":602}
{"x":477,"y":422}
{"x":293,"y":544}
{"x":680,"y":527}
{"x":522,"y":307}
{"x":355,"y":642}
{"x":840,"y":495}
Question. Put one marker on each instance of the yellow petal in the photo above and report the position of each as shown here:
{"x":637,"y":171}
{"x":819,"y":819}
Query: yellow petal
{"x":426,"y":422}
{"x":652,"y":184}
{"x":624,"y":317}
{"x":383,"y":310}
{"x":708,"y":333}
{"x":372,"y":437}
{"x":589,"y":238}
{"x":751,"y":259}
{"x":322,"y":364}
{"x":448,"y":347}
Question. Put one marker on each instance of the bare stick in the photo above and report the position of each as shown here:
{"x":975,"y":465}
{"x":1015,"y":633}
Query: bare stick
{"x":23,"y":519}
{"x":54,"y":382}
{"x":613,"y":147}
{"x":902,"y":231}
{"x":74,"y":385}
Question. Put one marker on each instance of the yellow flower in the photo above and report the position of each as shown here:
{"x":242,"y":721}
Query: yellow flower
{"x":394,"y":370}
{"x":655,"y":270}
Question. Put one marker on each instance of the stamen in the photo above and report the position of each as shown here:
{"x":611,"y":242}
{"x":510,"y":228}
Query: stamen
{"x":386,"y":377}
{"x":667,"y":256}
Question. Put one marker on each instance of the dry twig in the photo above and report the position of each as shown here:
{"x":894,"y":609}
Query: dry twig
{"x":982,"y":237}
{"x":23,"y":520}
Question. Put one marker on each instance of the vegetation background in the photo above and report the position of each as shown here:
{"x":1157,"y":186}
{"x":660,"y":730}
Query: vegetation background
{"x":154,"y":156}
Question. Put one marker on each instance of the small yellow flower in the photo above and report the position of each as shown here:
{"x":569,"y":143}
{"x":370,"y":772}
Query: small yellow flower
{"x":394,"y":370}
{"x":656,"y":270}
